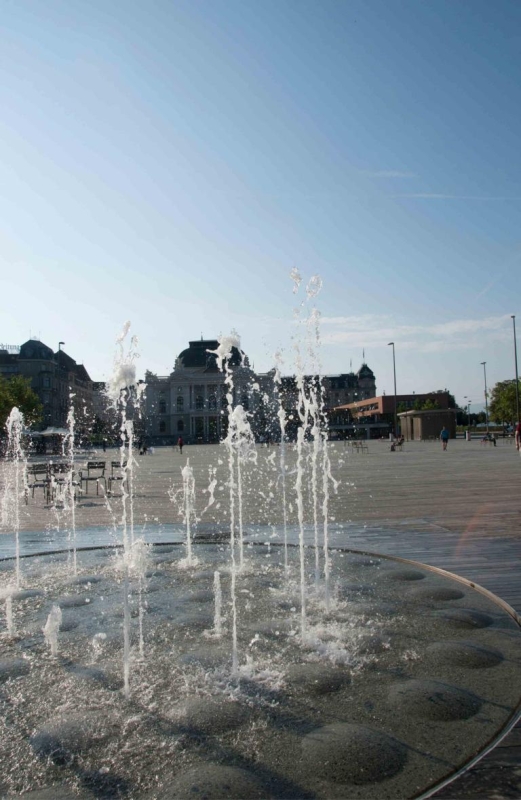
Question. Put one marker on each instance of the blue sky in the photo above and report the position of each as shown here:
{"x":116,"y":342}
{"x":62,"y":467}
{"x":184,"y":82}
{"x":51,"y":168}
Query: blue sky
{"x":170,"y":162}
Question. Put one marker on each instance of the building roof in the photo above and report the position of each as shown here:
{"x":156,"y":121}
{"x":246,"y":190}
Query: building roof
{"x":82,"y":373}
{"x":344,"y":381}
{"x":69,"y":364}
{"x":365,"y":371}
{"x":33,"y":348}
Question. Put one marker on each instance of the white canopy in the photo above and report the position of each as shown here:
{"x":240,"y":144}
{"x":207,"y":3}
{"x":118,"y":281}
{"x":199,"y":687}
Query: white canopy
{"x":52,"y":432}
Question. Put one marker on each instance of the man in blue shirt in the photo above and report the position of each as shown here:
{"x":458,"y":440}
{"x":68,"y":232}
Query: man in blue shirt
{"x":444,"y":436}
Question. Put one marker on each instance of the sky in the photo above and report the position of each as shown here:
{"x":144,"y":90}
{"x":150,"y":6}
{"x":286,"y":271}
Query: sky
{"x":170,"y":162}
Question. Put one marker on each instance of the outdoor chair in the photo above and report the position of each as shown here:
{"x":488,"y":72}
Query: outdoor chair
{"x":37,"y":478}
{"x":59,"y":478}
{"x":116,"y":473}
{"x":96,"y":473}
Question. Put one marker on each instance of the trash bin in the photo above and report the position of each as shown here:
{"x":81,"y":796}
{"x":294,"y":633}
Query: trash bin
{"x":467,"y":436}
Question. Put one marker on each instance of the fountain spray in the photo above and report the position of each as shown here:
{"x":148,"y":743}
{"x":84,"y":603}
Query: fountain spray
{"x":189,"y":506}
{"x":223,"y":355}
{"x":51,"y":628}
{"x":121,"y":389}
{"x":217,"y":620}
{"x":68,"y":450}
{"x":15,"y":485}
{"x":282,"y":453}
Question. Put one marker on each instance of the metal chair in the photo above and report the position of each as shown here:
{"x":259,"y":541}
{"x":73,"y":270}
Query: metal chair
{"x":59,"y":477}
{"x":95,"y":472}
{"x":37,"y":477}
{"x":117,"y":473}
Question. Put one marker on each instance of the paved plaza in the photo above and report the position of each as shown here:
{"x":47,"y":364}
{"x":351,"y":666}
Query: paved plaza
{"x":458,"y":510}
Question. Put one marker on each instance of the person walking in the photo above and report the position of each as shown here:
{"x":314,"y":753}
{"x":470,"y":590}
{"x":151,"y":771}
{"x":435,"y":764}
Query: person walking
{"x":180,"y":444}
{"x":444,"y":437}
{"x":518,"y":436}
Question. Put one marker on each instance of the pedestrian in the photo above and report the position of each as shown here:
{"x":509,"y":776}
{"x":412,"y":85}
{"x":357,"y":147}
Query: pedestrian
{"x":444,"y":437}
{"x":180,"y":444}
{"x":518,"y":436}
{"x":104,"y":445}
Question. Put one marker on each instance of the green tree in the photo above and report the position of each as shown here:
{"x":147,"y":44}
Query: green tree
{"x":17,"y":392}
{"x":425,"y":405}
{"x":502,"y":402}
{"x":451,"y":400}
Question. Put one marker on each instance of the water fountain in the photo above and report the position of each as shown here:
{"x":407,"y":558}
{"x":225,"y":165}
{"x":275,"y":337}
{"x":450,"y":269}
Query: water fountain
{"x":238,"y":665}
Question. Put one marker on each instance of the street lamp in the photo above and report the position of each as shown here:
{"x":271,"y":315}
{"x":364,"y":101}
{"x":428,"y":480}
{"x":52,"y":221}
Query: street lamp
{"x":60,"y":345}
{"x":391,"y":344}
{"x":468,"y":411}
{"x":517,"y":375}
{"x":483,"y":364}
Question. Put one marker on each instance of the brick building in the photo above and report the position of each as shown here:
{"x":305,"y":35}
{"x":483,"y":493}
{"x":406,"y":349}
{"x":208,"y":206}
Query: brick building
{"x":374,"y":417}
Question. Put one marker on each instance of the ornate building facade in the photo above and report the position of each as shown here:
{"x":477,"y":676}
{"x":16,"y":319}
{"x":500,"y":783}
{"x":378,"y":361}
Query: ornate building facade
{"x":54,"y":376}
{"x":191,"y":402}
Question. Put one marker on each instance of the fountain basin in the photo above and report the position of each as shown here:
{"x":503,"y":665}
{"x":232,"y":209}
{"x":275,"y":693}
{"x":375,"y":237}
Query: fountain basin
{"x":407,"y":678}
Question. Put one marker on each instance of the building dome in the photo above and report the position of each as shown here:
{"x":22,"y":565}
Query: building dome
{"x":196,"y":356}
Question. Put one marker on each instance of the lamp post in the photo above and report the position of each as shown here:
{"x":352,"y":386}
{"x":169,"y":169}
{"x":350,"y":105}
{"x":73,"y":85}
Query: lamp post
{"x":517,"y":374}
{"x":60,"y":346}
{"x":391,"y":344}
{"x":468,"y":413}
{"x":484,"y":365}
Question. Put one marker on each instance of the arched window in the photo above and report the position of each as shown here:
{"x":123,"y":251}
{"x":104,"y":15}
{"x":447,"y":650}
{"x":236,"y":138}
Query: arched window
{"x":212,"y":402}
{"x":180,"y":403}
{"x":199,"y":402}
{"x":180,"y":426}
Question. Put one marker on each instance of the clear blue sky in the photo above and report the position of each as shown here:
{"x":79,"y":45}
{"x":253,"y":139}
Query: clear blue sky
{"x":169,"y":162}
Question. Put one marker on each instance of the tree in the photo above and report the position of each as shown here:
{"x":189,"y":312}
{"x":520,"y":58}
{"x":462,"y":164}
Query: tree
{"x":17,"y":392}
{"x":451,"y":400}
{"x":502,"y":402}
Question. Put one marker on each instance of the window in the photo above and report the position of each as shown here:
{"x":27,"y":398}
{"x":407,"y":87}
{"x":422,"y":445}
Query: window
{"x":212,"y":402}
{"x":162,"y":407}
{"x":224,"y":401}
{"x":162,"y":426}
{"x":46,"y":397}
{"x":245,"y":403}
{"x":199,"y":402}
{"x":46,"y":382}
{"x":180,"y":403}
{"x":180,"y":426}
